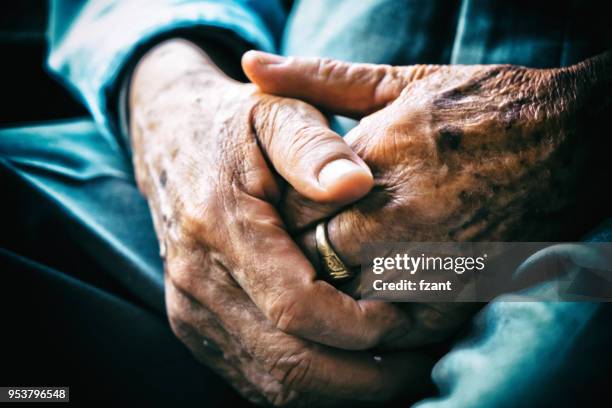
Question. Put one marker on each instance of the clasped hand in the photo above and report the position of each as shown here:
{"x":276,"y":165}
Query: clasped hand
{"x":236,"y":179}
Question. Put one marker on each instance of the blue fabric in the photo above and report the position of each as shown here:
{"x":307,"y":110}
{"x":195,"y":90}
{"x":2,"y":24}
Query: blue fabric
{"x":519,"y":353}
{"x":92,"y":41}
{"x":74,"y":170}
{"x":545,"y":33}
{"x":516,"y":350}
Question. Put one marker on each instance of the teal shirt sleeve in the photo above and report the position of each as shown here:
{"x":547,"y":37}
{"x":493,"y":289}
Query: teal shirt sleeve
{"x":524,"y":352}
{"x":519,"y":353}
{"x":91,"y":42}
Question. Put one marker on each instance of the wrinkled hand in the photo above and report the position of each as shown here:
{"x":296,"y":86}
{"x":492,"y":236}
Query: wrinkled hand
{"x":458,"y":153}
{"x":239,"y":291}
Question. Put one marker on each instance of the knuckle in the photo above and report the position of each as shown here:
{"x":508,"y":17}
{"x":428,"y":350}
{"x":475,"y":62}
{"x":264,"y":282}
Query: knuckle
{"x":383,"y":79}
{"x":194,"y":205}
{"x":432,"y":320}
{"x":265,"y":113}
{"x":202,"y":218}
{"x":370,"y":339}
{"x":181,"y":329}
{"x":288,"y":313}
{"x":177,"y":308}
{"x":277,"y":399}
{"x":280,"y":397}
{"x":190,"y":321}
{"x":307,"y":139}
{"x":194,"y":217}
{"x":327,"y":68}
{"x":293,"y":370}
{"x":182,"y":274}
{"x":187,"y":272}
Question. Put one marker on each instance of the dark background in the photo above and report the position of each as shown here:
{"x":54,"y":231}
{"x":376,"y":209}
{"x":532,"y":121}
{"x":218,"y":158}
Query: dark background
{"x":29,"y":93}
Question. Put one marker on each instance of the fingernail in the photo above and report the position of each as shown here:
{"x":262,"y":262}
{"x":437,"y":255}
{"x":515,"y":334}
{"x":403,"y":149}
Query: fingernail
{"x":333,"y":171}
{"x":266,"y":58}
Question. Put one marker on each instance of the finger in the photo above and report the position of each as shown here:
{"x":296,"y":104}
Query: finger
{"x":307,"y":154}
{"x":430,"y":322}
{"x":282,"y":283}
{"x":202,"y":332}
{"x":348,"y":89}
{"x":310,"y":369}
{"x":299,"y":213}
{"x":264,"y":260}
{"x":433,"y":322}
{"x":352,"y":227}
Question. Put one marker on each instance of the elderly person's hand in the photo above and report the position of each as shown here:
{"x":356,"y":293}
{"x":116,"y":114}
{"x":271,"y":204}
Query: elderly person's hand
{"x":240,"y":293}
{"x":458,"y":153}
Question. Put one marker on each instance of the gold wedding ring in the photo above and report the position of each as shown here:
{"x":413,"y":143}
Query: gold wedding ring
{"x":334,"y":268}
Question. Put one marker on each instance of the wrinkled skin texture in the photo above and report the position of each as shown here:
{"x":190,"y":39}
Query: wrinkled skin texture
{"x":458,"y":153}
{"x":239,"y":292}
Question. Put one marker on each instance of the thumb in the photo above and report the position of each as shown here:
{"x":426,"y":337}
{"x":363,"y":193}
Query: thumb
{"x":314,"y":160}
{"x":348,"y":89}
